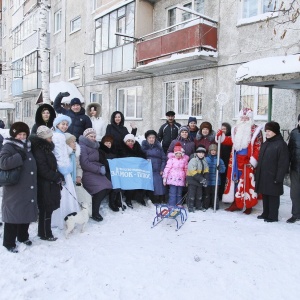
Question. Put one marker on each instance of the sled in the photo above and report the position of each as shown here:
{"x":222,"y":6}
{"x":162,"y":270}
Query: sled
{"x":165,"y":211}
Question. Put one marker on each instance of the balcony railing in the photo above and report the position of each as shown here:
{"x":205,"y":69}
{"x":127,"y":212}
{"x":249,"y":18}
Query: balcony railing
{"x":198,"y":33}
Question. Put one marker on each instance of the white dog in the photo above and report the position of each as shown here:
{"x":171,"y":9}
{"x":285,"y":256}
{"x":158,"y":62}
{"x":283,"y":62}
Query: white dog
{"x":74,"y":218}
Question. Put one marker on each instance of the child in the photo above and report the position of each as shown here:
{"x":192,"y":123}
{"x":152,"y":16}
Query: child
{"x":211,"y":185}
{"x":197,"y":177}
{"x":175,"y":173}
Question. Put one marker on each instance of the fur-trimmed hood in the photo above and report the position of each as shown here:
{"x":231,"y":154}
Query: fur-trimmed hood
{"x":42,"y":144}
{"x":38,"y":115}
{"x":210,"y":137}
{"x":95,"y":105}
{"x":85,"y":141}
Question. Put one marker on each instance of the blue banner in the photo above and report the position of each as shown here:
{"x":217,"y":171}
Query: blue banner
{"x":131,"y":173}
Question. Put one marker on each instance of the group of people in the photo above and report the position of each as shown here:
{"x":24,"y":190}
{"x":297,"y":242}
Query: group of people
{"x":69,"y":148}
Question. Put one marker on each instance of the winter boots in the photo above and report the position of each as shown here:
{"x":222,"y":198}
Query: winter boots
{"x":232,"y":207}
{"x":113,"y":205}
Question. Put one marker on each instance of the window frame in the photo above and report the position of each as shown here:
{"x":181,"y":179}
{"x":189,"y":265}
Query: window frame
{"x":57,"y":17}
{"x":72,"y":72}
{"x":259,"y":9}
{"x":27,"y":109}
{"x":72,"y":22}
{"x":138,"y":91}
{"x":57,"y":64}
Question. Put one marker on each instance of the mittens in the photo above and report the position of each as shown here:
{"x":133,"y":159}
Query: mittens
{"x":65,"y":94}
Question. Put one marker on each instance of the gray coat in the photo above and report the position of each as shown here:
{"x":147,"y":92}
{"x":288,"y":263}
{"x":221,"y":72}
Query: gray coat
{"x":92,"y":179}
{"x":19,"y":203}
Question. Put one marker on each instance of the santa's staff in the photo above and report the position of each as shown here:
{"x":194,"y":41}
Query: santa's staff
{"x":221,"y":99}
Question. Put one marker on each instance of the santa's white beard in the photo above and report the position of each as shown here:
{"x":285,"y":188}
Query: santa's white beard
{"x":242,"y":135}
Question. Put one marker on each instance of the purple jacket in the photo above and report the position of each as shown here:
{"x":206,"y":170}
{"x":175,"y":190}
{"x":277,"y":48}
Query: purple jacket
{"x":92,"y":180}
{"x":187,"y":145}
{"x":175,"y":170}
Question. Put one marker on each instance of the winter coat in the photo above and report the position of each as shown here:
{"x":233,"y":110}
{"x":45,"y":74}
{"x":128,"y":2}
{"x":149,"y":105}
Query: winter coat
{"x":175,"y":170}
{"x":156,"y":154}
{"x":204,"y":140}
{"x":212,"y":163}
{"x":192,"y":134}
{"x":186,"y":144}
{"x":80,"y":121}
{"x":136,"y":151}
{"x":48,"y":177}
{"x":98,"y":123}
{"x":109,"y":153}
{"x":74,"y":158}
{"x":93,"y":181}
{"x":273,"y":164}
{"x":294,"y":149}
{"x":167,"y":133}
{"x":39,"y":120}
{"x":198,"y":170}
{"x":19,"y":202}
{"x":118,"y":131}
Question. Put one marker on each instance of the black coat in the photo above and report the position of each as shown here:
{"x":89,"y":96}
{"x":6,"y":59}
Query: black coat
{"x":48,"y":177}
{"x":273,"y":164}
{"x":39,"y":120}
{"x":294,"y":149}
{"x":118,"y":132}
{"x":167,"y":133}
{"x":136,"y":151}
{"x":80,"y":121}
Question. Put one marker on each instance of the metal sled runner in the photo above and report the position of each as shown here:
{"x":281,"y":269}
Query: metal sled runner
{"x":164,"y":211}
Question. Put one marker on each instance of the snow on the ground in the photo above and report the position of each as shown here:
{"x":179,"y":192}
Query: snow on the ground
{"x":218,"y":255}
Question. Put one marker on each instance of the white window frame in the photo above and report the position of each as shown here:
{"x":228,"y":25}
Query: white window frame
{"x":27,"y":109}
{"x":73,"y":25}
{"x":74,"y":72}
{"x":194,"y":100}
{"x":18,"y":110}
{"x":96,"y":4}
{"x":138,"y":90}
{"x":256,"y":93}
{"x":57,"y":21}
{"x":259,"y":8}
{"x":57,"y":64}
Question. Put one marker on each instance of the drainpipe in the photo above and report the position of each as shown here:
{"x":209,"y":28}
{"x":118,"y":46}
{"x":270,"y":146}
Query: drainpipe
{"x":270,"y":102}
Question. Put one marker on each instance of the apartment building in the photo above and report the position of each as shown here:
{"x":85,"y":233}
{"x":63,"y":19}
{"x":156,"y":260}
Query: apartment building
{"x":145,"y":57}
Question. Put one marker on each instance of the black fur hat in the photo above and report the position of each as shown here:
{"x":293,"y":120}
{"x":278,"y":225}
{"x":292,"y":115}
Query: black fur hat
{"x":273,"y":126}
{"x":150,"y":132}
{"x":18,"y":127}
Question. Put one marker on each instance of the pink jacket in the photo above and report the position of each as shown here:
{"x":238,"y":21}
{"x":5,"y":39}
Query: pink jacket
{"x":175,"y":170}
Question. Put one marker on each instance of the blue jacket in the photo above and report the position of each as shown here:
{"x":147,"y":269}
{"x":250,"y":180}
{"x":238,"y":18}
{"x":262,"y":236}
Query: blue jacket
{"x":212,"y":163}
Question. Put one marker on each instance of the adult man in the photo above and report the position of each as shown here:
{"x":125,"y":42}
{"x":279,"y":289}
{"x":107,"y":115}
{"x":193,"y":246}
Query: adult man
{"x":80,"y":121}
{"x":246,"y":140}
{"x":294,"y":150}
{"x":168,"y":131}
{"x":273,"y":164}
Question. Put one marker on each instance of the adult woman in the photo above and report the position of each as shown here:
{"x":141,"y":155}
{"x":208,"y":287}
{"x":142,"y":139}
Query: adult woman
{"x":193,"y":129}
{"x":93,"y":111}
{"x":48,"y":180}
{"x":68,"y":203}
{"x":93,"y":177}
{"x":19,"y":206}
{"x":117,"y":129}
{"x":130,"y":148}
{"x":183,"y":138}
{"x":205,"y":136}
{"x":154,"y":151}
{"x":45,"y":115}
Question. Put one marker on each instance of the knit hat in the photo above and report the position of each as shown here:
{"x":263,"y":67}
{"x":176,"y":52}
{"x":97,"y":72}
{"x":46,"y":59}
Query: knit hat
{"x":248,"y":112}
{"x":70,"y":138}
{"x":44,"y":132}
{"x":75,"y":101}
{"x":178,"y":148}
{"x":205,"y":125}
{"x":107,"y":138}
{"x":212,"y":147}
{"x":18,"y":127}
{"x":170,"y":113}
{"x":89,"y":131}
{"x":129,"y":136}
{"x":183,"y":128}
{"x":201,"y":149}
{"x":273,"y":126}
{"x":150,"y":132}
{"x":60,"y":117}
{"x":192,"y":119}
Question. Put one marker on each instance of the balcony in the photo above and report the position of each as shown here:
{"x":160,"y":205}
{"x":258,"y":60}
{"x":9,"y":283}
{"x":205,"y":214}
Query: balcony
{"x":192,"y":43}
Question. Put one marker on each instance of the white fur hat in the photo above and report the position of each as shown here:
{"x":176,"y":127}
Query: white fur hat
{"x":59,"y":118}
{"x":129,"y":136}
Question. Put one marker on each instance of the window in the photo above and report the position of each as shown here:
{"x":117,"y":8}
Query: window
{"x":129,"y":101}
{"x":30,"y":65}
{"x":27,"y":111}
{"x":252,"y":8}
{"x":17,"y":69}
{"x":96,"y":4}
{"x":57,"y":21}
{"x":18,"y":110}
{"x":57,"y":64}
{"x":120,"y":20}
{"x":184,"y":97}
{"x":74,"y":72}
{"x":255,"y":98}
{"x":29,"y":26}
{"x":177,"y":15}
{"x":75,"y":24}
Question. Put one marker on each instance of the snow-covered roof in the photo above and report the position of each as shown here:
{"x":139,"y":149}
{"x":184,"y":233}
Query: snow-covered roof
{"x":64,"y":86}
{"x":6,"y":105}
{"x":277,"y":71}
